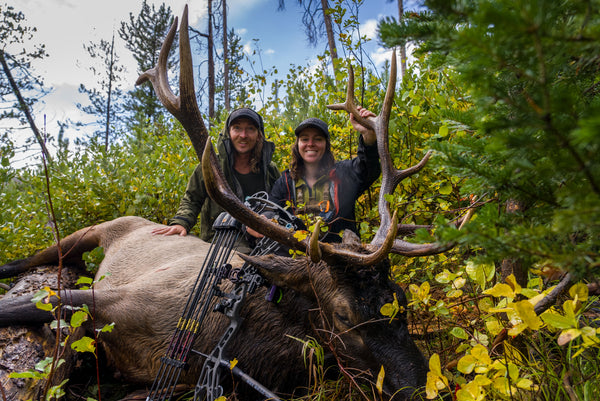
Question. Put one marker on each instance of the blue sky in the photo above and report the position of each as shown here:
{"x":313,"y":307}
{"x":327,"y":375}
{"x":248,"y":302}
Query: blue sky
{"x":65,"y":25}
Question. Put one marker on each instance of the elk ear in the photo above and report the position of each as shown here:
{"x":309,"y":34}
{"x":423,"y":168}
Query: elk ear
{"x":288,"y":272}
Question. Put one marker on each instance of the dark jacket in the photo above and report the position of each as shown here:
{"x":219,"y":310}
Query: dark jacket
{"x":346,"y":181}
{"x":196,"y":200}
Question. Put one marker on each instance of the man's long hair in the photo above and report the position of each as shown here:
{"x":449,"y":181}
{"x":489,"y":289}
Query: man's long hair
{"x":255,"y":159}
{"x":297,"y":167}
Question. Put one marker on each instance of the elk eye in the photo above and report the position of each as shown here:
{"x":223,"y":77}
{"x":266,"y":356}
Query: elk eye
{"x":343,"y":318}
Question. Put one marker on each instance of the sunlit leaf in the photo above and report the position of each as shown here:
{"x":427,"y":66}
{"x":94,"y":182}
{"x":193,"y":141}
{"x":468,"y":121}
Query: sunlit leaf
{"x":380,"y":378}
{"x":85,"y":344}
{"x":500,"y":290}
{"x":568,"y":335}
{"x":528,"y":315}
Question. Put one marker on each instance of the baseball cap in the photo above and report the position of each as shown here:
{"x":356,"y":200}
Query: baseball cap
{"x":313,"y":122}
{"x":246,"y":113}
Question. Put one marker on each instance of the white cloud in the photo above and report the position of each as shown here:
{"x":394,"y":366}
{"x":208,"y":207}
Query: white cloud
{"x":381,"y":55}
{"x":369,"y":29}
{"x":269,"y":51}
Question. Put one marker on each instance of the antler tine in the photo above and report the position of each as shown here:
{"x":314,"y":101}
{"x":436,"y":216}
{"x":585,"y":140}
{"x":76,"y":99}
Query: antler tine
{"x":184,"y":107}
{"x":350,"y":106}
{"x":219,"y":190}
{"x":391,"y":176}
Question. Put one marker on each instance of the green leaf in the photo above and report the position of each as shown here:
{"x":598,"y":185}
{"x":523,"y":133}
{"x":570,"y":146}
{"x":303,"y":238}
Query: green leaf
{"x":85,"y":344}
{"x":78,"y":318}
{"x":459,"y":333}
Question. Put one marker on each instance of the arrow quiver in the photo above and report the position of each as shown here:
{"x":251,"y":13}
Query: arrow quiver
{"x":215,"y":268}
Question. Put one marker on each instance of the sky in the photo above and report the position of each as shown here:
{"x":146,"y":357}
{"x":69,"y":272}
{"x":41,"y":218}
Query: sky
{"x":64,"y":26}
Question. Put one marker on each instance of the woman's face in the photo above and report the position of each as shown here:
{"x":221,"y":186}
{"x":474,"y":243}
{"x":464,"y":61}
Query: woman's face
{"x":244,"y":135}
{"x":311,"y":145}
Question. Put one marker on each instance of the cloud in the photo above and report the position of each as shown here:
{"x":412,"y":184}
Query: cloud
{"x":369,"y":29}
{"x":269,"y":51}
{"x":381,"y":55}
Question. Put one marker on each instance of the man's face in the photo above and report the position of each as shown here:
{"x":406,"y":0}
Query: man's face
{"x":244,"y":135}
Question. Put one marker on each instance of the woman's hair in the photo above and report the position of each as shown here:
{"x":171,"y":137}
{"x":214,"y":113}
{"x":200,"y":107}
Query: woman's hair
{"x":297,"y":168}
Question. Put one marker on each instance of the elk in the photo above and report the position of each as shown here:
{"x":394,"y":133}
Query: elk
{"x":334,"y":294}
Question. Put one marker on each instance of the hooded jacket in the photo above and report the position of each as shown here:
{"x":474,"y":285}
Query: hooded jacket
{"x":336,"y":192}
{"x":196,"y":201}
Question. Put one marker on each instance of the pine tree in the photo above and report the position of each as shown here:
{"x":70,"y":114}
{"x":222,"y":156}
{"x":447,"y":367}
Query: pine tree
{"x":143,"y":36}
{"x":20,"y":87}
{"x":530,"y":70}
{"x":105,"y":99}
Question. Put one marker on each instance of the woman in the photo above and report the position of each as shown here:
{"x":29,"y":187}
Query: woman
{"x":316,"y":184}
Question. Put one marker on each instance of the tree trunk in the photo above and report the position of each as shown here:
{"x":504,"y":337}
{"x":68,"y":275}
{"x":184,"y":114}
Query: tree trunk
{"x":109,"y":95}
{"x":24,"y":106}
{"x":329,"y":29}
{"x":225,"y":59}
{"x":403,"y":47}
{"x":514,"y":265}
{"x":211,"y":66}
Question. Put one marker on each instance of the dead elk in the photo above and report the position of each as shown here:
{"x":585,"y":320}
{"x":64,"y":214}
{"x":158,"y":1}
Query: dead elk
{"x":147,"y":280}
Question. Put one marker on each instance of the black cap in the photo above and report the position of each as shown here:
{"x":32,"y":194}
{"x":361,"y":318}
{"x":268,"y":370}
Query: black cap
{"x":313,"y":122}
{"x":246,"y":113}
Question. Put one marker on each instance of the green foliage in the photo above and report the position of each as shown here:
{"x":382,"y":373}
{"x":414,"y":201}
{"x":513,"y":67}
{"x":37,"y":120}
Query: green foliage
{"x":522,"y":137}
{"x":532,"y":134}
{"x":144,"y":176}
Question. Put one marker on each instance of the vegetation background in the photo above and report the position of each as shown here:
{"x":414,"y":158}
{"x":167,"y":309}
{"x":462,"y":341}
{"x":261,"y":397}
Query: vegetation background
{"x":506,"y":93}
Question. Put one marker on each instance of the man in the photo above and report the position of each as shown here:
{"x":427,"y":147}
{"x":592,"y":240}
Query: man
{"x":245,"y":158}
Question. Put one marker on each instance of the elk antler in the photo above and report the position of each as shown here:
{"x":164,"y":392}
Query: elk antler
{"x":391,"y":176}
{"x":184,"y":107}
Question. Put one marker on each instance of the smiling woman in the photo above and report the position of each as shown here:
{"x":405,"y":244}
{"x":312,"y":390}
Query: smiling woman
{"x":316,"y":185}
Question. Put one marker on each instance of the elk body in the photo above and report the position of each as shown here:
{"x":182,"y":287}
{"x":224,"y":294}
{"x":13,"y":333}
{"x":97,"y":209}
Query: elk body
{"x":148,"y":278}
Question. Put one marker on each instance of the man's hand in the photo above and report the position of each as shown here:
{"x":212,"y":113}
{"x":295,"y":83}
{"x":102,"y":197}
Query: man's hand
{"x":368,"y":135}
{"x":170,"y":230}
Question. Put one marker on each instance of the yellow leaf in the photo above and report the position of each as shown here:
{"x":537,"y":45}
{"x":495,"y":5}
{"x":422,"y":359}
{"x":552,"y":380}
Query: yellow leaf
{"x":512,"y":281}
{"x":525,"y":384}
{"x":527,"y":314}
{"x":434,"y":364}
{"x":568,"y":335}
{"x":481,"y":353}
{"x":380,"y":378}
{"x":482,"y":380}
{"x":466,"y":364}
{"x":446,"y":189}
{"x":233,"y":363}
{"x":580,"y":291}
{"x":500,"y":290}
{"x":431,"y":387}
{"x":517,"y":329}
{"x":493,"y":326}
{"x":501,"y":384}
